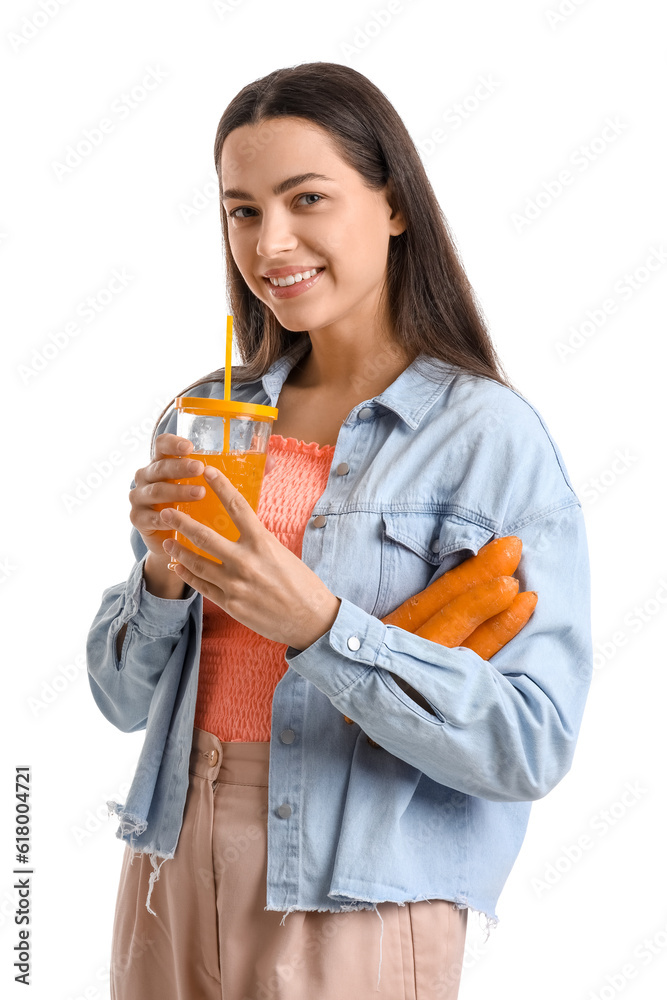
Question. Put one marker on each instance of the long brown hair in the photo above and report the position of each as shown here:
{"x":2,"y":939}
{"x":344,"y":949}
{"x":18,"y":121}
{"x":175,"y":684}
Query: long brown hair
{"x":430,"y":302}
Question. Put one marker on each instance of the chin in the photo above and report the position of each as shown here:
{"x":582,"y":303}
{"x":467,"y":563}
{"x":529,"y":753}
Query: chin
{"x":285,"y":321}
{"x":296,"y":320}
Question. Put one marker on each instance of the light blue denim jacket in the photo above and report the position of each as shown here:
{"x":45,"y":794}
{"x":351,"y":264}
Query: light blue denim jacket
{"x":422,"y":476}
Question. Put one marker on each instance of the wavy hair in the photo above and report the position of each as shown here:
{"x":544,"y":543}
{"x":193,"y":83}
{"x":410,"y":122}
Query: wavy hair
{"x":430,"y":303}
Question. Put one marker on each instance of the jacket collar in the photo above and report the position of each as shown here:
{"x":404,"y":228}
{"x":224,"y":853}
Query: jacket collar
{"x":411,"y":395}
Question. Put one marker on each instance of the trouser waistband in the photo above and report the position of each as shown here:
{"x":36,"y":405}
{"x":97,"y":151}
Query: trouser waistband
{"x":241,"y":763}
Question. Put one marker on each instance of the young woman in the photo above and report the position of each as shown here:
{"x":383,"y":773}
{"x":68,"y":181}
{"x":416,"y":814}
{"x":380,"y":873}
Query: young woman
{"x":301,"y":757}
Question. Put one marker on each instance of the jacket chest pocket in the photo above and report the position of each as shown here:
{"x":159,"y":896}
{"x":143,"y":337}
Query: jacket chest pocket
{"x":418,"y":546}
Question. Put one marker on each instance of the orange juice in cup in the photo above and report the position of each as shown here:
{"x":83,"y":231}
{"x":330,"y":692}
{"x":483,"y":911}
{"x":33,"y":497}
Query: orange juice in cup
{"x":233,"y":437}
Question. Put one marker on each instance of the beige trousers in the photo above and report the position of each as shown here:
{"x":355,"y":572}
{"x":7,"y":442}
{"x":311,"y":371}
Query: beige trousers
{"x":212,"y":938}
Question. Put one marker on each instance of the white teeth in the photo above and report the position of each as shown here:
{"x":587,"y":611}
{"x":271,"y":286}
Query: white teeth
{"x":290,"y":279}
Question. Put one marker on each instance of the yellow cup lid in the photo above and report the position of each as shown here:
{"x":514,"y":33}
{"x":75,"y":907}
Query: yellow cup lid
{"x":206,"y":406}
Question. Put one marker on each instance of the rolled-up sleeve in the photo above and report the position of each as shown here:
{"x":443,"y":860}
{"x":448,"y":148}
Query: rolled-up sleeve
{"x":157,"y":634}
{"x":503,"y":729}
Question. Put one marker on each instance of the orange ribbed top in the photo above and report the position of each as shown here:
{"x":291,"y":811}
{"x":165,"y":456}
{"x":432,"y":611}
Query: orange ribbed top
{"x":238,"y":668}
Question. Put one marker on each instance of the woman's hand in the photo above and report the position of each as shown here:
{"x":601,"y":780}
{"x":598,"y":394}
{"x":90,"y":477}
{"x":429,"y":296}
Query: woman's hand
{"x":153,"y":487}
{"x":260,"y":582}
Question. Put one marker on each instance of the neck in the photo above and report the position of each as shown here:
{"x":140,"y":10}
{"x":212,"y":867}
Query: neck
{"x":344,"y":365}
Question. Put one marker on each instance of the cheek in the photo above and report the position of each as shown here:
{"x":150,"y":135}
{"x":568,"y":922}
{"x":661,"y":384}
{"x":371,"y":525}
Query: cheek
{"x":240,"y":243}
{"x":242,"y":255}
{"x":364,"y":249}
{"x":363,"y":269}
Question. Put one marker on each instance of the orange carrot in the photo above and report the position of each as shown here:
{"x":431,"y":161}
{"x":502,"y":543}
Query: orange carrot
{"x":497,"y":558}
{"x":495,"y":632}
{"x":459,"y":617}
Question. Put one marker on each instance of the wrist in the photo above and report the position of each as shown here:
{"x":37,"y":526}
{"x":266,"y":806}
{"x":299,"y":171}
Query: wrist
{"x":326,"y":619}
{"x":159,"y":580}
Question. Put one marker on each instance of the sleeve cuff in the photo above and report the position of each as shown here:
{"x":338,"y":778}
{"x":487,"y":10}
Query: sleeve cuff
{"x":155,"y":616}
{"x":343,"y":654}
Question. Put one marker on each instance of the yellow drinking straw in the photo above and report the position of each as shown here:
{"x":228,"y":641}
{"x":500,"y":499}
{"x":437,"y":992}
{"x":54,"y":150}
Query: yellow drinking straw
{"x":228,"y":380}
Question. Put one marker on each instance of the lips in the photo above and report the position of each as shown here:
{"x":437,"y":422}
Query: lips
{"x":291,"y":289}
{"x":282,"y":272}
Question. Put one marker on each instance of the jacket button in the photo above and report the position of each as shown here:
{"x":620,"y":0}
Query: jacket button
{"x":353,"y":642}
{"x":319,"y":521}
{"x":435,"y":545}
{"x":372,"y":742}
{"x":285,"y":810}
{"x":287,"y":736}
{"x":342,"y":469}
{"x":366,"y":413}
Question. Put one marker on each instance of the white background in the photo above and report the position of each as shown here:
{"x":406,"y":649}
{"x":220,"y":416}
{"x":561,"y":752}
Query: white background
{"x":130,"y":206}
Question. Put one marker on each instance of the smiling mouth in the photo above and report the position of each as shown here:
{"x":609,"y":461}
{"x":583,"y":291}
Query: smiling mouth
{"x":293,"y":279}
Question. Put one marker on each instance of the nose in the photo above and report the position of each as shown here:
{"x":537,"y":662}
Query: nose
{"x":276,"y":234}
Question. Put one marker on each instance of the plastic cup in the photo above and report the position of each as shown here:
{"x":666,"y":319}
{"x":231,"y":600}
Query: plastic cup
{"x":233,"y":437}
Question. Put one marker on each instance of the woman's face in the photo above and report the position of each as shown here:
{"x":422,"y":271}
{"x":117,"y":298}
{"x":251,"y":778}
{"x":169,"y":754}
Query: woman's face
{"x":281,"y":220}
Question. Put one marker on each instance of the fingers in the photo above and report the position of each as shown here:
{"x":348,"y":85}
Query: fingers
{"x":203,"y":537}
{"x":171,"y":444}
{"x":156,"y":484}
{"x":147,"y":521}
{"x":162,"y":469}
{"x":243,"y":516}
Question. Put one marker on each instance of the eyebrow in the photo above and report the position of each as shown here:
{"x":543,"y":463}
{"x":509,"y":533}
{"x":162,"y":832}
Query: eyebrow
{"x":281,"y":188}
